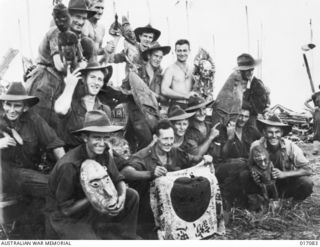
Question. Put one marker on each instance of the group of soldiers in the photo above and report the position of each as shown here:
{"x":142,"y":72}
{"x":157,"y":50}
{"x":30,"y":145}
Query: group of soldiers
{"x":62,"y":117}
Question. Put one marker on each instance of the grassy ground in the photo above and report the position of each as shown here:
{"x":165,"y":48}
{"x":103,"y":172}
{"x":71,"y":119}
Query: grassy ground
{"x":300,"y":221}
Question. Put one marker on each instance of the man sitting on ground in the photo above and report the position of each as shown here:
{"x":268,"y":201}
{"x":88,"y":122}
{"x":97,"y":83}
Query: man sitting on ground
{"x":291,"y":168}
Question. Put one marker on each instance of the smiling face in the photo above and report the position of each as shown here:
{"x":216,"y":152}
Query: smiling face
{"x":146,"y":39}
{"x":182,"y":52}
{"x":155,"y":58}
{"x":180,"y":127}
{"x":273,"y":135}
{"x":97,"y":6}
{"x":200,"y":115}
{"x":78,"y":19}
{"x":98,"y":186}
{"x":165,"y":139}
{"x":14,"y":109}
{"x":94,"y":81}
{"x":243,"y":118}
{"x":96,"y":143}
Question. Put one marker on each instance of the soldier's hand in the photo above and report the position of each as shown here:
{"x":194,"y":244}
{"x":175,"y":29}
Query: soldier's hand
{"x":208,"y":161}
{"x":231,"y":130}
{"x":278,"y":174}
{"x":7,"y":141}
{"x":160,"y":171}
{"x":72,"y":78}
{"x":214,"y":131}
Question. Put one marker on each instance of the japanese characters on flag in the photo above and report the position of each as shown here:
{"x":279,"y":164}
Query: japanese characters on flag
{"x":187,"y":204}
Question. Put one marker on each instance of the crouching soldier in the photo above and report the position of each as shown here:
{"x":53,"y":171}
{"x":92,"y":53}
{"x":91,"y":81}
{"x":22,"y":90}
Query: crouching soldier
{"x":24,"y":137}
{"x":74,"y":212}
{"x":291,"y":169}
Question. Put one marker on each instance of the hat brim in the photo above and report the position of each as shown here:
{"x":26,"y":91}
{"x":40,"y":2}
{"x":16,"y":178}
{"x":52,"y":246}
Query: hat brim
{"x":100,"y":129}
{"x":262,"y":123}
{"x":138,"y":31}
{"x":164,"y":49}
{"x":103,"y":68}
{"x":256,"y":63}
{"x":181,"y":117}
{"x":89,"y":12}
{"x":29,"y":100}
{"x":196,"y":107}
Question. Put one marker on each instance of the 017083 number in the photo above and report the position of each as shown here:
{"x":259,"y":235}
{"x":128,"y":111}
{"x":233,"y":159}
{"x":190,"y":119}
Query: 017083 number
{"x":309,"y":243}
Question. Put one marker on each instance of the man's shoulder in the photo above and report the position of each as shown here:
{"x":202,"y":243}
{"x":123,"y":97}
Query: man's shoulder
{"x":143,"y":153}
{"x":171,"y":68}
{"x":73,"y":156}
{"x":52,"y":32}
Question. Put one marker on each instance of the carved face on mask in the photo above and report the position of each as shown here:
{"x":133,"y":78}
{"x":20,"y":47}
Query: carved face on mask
{"x":67,"y":42}
{"x":61,"y":17}
{"x":261,"y":158}
{"x":98,"y":186}
{"x":206,"y":69}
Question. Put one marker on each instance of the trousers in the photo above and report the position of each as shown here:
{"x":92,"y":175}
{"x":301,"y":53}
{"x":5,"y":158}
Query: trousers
{"x":95,"y":225}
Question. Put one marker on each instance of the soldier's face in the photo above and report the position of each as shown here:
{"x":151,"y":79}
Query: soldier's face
{"x":166,"y":139}
{"x":14,"y":109}
{"x":78,"y":19}
{"x":99,"y":8}
{"x":243,"y":118}
{"x":182,"y":52}
{"x":94,"y":81}
{"x":273,"y":135}
{"x":200,"y":115}
{"x":155,"y":59}
{"x":96,"y":142}
{"x":180,"y":127}
{"x":146,"y":39}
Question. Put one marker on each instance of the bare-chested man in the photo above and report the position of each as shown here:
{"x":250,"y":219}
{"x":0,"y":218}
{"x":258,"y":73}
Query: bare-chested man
{"x":92,"y":28}
{"x":177,"y":80}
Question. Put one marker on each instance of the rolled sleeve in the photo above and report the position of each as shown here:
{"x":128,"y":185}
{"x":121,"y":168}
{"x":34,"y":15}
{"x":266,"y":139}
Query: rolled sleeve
{"x":296,"y":154}
{"x":114,"y":173}
{"x":137,"y":163}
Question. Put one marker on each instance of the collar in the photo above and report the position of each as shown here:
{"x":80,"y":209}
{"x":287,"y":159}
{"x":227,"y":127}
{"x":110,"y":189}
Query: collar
{"x":263,"y":141}
{"x":155,"y":157}
{"x":97,"y":103}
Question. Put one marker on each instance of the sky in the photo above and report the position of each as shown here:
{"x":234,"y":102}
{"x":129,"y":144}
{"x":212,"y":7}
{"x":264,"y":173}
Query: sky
{"x":275,"y":30}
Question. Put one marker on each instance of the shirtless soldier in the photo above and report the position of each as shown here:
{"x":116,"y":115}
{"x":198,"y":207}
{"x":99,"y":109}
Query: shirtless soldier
{"x":177,"y":79}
